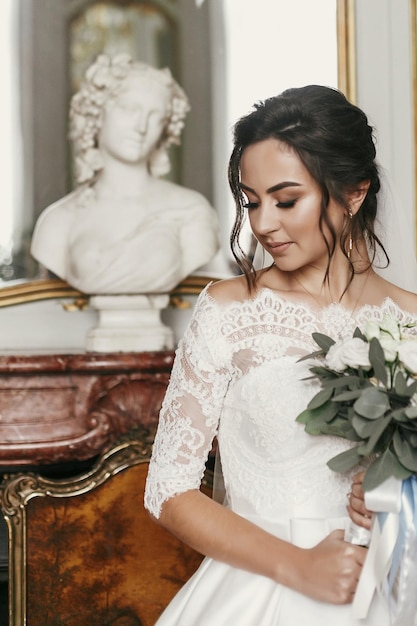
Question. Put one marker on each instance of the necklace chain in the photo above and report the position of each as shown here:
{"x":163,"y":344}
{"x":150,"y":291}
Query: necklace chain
{"x":340,"y":299}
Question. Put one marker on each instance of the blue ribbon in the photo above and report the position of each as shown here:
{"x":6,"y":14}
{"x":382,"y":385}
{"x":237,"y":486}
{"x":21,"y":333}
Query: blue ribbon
{"x":401,"y":585}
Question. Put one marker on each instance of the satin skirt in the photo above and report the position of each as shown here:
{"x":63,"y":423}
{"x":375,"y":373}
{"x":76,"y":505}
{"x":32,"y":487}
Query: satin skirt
{"x":221,"y":595}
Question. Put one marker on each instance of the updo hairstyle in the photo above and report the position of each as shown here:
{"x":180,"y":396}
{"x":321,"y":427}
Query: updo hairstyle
{"x":334,"y":141}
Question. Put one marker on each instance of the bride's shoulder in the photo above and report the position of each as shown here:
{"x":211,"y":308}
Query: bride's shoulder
{"x":235,"y":290}
{"x":229,"y":290}
{"x":405,"y":300}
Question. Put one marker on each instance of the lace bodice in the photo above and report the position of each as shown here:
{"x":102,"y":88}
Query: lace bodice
{"x":237,"y":375}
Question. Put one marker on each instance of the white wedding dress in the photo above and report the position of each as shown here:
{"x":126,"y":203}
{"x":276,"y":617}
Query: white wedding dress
{"x":237,"y":375}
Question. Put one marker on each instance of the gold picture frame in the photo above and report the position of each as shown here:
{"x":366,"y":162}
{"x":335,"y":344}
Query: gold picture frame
{"x":413,"y":35}
{"x":346,"y":48}
{"x":54,"y":288}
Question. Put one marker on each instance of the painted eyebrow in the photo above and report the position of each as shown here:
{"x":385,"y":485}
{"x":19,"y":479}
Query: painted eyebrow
{"x":283,"y":185}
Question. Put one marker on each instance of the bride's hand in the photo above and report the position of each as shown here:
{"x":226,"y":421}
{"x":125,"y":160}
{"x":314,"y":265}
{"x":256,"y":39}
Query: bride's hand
{"x":331,"y":570}
{"x":356,"y":507}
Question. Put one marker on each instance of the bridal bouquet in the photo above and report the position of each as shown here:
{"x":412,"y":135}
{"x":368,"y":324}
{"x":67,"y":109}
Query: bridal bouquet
{"x":368,"y":395}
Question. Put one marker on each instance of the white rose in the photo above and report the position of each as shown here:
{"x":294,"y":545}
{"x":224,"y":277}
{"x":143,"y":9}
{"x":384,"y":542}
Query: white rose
{"x":407,"y":353}
{"x":390,"y":347}
{"x":333,"y":357}
{"x":387,"y":333}
{"x":352,"y":352}
{"x":390,"y":325}
{"x":372,"y":330}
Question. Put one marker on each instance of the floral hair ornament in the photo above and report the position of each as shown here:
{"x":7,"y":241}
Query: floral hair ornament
{"x":103,"y":81}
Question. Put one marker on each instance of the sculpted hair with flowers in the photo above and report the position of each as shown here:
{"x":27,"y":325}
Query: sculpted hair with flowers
{"x":103,"y":81}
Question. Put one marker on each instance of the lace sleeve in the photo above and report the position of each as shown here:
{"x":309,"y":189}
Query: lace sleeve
{"x":190,"y":412}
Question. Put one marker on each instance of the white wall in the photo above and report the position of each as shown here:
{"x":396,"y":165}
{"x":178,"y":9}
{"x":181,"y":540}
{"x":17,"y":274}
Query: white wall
{"x":384,"y":76}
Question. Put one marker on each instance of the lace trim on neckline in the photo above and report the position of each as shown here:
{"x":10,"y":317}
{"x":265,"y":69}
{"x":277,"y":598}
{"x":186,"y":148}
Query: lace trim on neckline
{"x":386,"y":303}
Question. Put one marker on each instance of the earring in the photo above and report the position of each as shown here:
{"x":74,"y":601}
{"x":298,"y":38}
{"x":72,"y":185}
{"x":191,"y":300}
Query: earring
{"x":350,"y":243}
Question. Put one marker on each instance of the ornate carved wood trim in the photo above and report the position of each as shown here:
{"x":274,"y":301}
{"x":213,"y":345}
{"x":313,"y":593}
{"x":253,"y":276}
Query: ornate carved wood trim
{"x":17,"y":490}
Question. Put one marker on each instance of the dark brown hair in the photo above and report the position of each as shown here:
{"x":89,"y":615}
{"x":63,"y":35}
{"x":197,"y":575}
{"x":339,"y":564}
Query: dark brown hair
{"x":333,"y":139}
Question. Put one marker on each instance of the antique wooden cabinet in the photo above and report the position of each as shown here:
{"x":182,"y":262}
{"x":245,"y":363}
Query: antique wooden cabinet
{"x":76,"y":432}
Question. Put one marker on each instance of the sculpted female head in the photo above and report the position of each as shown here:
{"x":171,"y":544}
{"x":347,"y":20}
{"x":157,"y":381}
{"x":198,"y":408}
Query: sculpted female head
{"x":122,"y":91}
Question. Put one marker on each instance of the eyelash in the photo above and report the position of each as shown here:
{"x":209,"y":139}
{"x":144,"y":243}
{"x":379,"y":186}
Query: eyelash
{"x":280,"y":205}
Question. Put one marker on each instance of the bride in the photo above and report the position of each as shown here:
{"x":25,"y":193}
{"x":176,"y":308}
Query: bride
{"x":303,"y":173}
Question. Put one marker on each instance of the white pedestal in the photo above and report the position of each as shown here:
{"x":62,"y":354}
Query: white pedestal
{"x":129,"y":324}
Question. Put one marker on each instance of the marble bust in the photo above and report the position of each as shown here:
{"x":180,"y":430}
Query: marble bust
{"x":125,"y":230}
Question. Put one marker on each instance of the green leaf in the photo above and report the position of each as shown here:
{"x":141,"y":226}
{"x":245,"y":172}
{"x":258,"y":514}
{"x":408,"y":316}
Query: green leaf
{"x":304,"y":417}
{"x":346,"y":396}
{"x":323,"y":341}
{"x":382,"y":468}
{"x":320,"y":398}
{"x":411,"y":412}
{"x":358,"y":333}
{"x":377,"y":359}
{"x":411,"y":389}
{"x":345,"y":380}
{"x":373,"y":403}
{"x":322,"y":372}
{"x":311,"y":355}
{"x":406,"y":454}
{"x":351,"y":382}
{"x":401,"y":388}
{"x":409,"y":428}
{"x":320,"y":418}
{"x":365,"y":427}
{"x":378,"y":427}
{"x":315,"y":418}
{"x":400,"y":415}
{"x":344,"y":461}
{"x":400,"y":384}
{"x":331,"y":410}
{"x":340,"y":428}
{"x":315,"y":428}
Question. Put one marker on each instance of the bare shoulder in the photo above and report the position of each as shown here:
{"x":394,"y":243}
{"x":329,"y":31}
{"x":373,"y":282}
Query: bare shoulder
{"x":237,"y":290}
{"x":406,"y":300}
{"x":229,"y":290}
